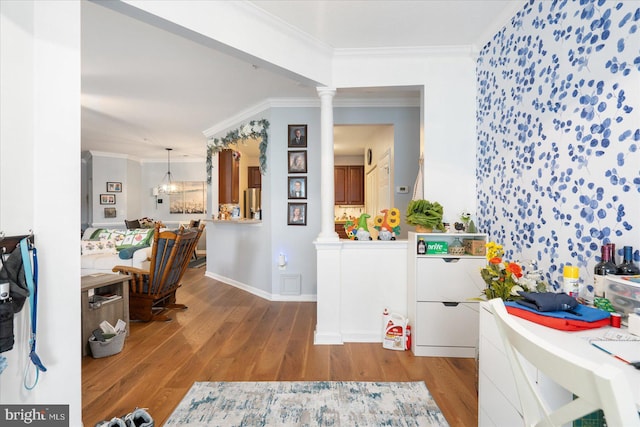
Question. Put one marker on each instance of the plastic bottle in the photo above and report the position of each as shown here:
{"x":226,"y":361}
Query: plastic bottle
{"x":408,"y":338}
{"x":422,"y":246}
{"x":601,"y":269}
{"x":627,"y":267}
{"x":571,"y":278}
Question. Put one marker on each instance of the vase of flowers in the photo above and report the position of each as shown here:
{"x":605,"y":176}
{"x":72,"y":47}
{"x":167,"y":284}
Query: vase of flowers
{"x":504,"y":279}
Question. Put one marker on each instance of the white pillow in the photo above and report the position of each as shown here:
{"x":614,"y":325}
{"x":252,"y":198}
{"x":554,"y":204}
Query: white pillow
{"x":98,"y":247}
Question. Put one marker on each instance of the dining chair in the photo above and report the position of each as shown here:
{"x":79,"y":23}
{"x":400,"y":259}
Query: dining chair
{"x":594,"y":386}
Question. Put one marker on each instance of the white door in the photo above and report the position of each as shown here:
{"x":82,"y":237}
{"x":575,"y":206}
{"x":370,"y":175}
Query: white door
{"x":384,"y":183}
{"x":371,"y":192}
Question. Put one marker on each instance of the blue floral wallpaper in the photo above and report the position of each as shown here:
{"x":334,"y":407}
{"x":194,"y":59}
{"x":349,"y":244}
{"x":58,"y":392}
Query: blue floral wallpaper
{"x":559,"y":133}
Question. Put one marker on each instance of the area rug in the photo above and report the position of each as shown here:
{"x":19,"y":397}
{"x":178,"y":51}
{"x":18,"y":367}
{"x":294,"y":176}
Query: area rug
{"x":199,"y":262}
{"x":324,"y":403}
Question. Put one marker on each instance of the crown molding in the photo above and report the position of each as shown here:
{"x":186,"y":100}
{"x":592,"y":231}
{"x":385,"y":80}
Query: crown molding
{"x":406,"y":52}
{"x":112,"y":155}
{"x":251,"y":112}
{"x":287,"y":29}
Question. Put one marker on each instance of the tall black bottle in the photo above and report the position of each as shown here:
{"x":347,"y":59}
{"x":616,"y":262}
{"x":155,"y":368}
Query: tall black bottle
{"x":601,"y":269}
{"x":627,"y":267}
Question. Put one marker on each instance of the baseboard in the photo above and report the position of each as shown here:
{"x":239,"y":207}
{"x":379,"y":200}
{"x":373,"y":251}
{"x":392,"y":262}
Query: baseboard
{"x":259,"y":292}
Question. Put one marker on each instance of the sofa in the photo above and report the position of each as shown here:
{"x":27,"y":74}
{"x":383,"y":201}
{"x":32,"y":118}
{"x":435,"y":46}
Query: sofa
{"x":104,"y":248}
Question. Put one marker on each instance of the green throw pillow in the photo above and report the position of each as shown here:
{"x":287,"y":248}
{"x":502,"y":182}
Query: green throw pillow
{"x":127,"y":253}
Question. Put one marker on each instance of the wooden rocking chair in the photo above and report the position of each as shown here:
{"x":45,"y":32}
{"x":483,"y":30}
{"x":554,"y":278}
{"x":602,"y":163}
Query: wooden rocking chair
{"x":154,"y":291}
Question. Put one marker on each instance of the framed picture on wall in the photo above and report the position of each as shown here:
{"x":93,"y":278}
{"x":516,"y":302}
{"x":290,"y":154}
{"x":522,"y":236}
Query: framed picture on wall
{"x":109,"y":212}
{"x":297,"y":187}
{"x":107,"y":199}
{"x":297,"y":161}
{"x":297,"y":135}
{"x":297,"y":214}
{"x":114,"y":187}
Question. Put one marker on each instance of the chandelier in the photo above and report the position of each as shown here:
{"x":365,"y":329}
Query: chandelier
{"x":167,"y":186}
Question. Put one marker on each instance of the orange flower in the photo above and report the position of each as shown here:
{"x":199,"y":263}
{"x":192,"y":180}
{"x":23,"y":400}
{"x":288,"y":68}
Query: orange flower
{"x":514,"y":269}
{"x":495,"y":260}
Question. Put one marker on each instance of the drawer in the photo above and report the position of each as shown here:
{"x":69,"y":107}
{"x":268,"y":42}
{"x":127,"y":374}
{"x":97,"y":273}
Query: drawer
{"x":438,"y":324}
{"x":449,"y":279}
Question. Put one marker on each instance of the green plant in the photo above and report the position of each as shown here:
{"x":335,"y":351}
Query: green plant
{"x":425,"y":213}
{"x":504,"y":279}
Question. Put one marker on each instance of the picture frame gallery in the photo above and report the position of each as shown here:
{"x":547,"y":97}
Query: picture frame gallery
{"x":297,"y":185}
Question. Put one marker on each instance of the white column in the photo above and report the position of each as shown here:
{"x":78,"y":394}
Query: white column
{"x":328,"y":245}
{"x":327,"y":196}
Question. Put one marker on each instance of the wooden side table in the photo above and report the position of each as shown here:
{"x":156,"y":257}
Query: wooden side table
{"x":93,"y":314}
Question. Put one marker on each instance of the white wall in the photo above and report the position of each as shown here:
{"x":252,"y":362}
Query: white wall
{"x":40,"y":189}
{"x":137,"y":177}
{"x":449,"y":135}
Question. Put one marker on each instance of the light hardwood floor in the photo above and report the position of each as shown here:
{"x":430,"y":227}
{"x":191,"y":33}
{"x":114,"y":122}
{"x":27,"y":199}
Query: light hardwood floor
{"x":230,"y":335}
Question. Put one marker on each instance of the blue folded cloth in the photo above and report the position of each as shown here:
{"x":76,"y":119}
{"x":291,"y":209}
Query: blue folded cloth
{"x":584,"y":313}
{"x":547,"y":301}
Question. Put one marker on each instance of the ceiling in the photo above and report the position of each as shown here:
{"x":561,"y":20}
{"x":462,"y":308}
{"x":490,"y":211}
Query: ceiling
{"x":145,"y":89}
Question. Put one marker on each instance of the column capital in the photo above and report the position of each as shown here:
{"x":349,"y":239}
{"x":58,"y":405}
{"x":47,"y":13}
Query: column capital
{"x":326,"y":91}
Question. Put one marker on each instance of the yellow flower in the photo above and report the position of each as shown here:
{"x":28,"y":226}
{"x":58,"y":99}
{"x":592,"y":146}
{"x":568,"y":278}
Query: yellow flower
{"x":504,"y":279}
{"x":393,"y":217}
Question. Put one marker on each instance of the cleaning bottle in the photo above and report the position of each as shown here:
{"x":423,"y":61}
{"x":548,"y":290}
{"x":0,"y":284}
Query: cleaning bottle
{"x":571,"y":279}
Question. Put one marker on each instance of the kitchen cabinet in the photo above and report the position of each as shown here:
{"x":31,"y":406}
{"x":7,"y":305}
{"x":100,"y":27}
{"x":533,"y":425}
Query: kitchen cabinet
{"x":254,"y":178}
{"x":228,"y":178}
{"x":443,"y":318}
{"x":349,"y":185}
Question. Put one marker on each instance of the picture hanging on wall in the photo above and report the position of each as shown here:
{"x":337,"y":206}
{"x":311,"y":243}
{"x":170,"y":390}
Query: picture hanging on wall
{"x":297,"y":161}
{"x":297,"y":214}
{"x":190,"y":197}
{"x":297,"y":135}
{"x":114,"y":187}
{"x":109,"y":212}
{"x":107,"y":199}
{"x":297,"y":187}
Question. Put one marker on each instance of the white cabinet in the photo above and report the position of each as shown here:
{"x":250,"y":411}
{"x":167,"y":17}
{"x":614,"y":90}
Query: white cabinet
{"x":440,"y":292}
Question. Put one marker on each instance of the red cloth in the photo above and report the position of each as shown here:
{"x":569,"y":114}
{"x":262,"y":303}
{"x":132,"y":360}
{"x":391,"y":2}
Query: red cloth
{"x":556,"y":322}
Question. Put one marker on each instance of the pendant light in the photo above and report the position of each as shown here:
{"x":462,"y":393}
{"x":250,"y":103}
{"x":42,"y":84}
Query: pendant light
{"x":167,"y":186}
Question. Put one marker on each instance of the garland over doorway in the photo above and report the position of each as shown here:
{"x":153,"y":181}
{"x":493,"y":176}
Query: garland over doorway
{"x":253,"y":130}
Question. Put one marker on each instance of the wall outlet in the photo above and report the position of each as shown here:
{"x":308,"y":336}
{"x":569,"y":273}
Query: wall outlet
{"x":402,"y":189}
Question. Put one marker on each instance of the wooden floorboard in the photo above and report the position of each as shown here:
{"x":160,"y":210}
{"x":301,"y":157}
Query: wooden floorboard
{"x":227,"y":334}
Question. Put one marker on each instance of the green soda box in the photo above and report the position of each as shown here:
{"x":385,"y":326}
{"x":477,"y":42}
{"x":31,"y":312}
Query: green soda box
{"x":436,"y":248}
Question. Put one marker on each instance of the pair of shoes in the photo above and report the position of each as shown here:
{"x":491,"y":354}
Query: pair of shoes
{"x":113,"y":422}
{"x":138,"y":418}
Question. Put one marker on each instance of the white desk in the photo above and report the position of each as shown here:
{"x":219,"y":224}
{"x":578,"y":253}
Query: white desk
{"x":498,"y":403}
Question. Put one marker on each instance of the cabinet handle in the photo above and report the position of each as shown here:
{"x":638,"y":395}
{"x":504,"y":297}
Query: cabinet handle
{"x":450,"y":304}
{"x":451,"y":259}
